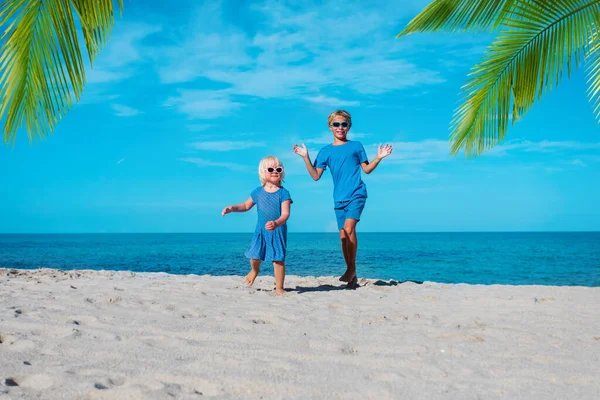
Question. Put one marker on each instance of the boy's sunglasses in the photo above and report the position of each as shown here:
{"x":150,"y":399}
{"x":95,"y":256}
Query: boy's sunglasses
{"x":271,"y":170}
{"x":338,"y":124}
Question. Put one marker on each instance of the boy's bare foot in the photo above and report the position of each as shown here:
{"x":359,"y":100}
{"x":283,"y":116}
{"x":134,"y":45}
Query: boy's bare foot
{"x":352,"y":283}
{"x":279,"y":292}
{"x":345,"y":277}
{"x":251,"y":277}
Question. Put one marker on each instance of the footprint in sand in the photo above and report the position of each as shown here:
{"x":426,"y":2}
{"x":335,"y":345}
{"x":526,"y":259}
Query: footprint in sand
{"x":110,"y":382}
{"x":17,"y":311}
{"x":37,"y":382}
{"x":464,"y":338}
{"x":14,"y":344}
{"x":116,"y":381}
{"x":173,"y":389}
{"x":348,"y":350}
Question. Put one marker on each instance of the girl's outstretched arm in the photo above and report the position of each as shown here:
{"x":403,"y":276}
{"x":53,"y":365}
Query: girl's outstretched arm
{"x":382,"y":152}
{"x":242,"y":207}
{"x":285,"y":214}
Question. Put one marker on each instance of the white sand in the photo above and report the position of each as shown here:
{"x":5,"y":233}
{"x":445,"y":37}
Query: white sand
{"x":119,"y":335}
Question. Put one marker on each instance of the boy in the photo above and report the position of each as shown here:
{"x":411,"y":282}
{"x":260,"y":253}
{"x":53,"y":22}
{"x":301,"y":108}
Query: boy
{"x":345,"y":158}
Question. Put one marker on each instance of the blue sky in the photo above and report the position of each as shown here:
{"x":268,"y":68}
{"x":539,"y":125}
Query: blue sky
{"x":184,"y":101}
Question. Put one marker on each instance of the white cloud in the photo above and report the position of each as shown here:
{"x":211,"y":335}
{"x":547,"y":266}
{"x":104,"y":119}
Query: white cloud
{"x":199,"y":127}
{"x":207,"y":163}
{"x":125,"y":111}
{"x":95,"y":75}
{"x":332,"y":101}
{"x":117,"y":59}
{"x":553,"y":146}
{"x":204,"y":104}
{"x":406,"y":176}
{"x":226,"y":145}
{"x":578,"y":162}
{"x":325,"y":138}
{"x":300,"y":51}
{"x":97,"y":96}
{"x":544,"y":146}
{"x":426,"y":151}
{"x":120,"y":161}
{"x":123,"y":47}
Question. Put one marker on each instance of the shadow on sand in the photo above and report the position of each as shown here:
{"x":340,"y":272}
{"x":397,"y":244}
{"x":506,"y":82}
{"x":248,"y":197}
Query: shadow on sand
{"x":344,"y":286}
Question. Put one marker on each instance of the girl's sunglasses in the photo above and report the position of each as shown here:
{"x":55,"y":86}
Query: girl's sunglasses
{"x":338,"y":124}
{"x":271,"y":170}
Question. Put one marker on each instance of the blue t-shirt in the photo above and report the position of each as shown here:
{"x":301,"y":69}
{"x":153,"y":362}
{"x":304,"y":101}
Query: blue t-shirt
{"x":344,"y":163}
{"x":268,"y":205}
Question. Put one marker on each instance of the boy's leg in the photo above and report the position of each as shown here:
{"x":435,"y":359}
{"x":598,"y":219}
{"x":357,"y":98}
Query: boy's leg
{"x":344,"y":241}
{"x":340,"y":215}
{"x":255,"y":264}
{"x":279,"y":268}
{"x":351,"y":248}
{"x":353,"y":210}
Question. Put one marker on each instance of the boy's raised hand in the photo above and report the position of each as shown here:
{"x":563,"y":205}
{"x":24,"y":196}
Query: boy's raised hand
{"x":301,"y":151}
{"x":384,"y":150}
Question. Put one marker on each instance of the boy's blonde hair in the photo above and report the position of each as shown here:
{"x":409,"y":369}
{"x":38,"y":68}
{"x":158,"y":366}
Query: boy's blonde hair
{"x":269,"y":161}
{"x":340,"y":113}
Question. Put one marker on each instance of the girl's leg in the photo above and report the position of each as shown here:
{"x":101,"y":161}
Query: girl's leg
{"x":255,"y":264}
{"x":279,"y":267}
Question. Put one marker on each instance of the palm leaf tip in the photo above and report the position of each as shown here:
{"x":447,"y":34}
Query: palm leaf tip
{"x":459,"y":16}
{"x":593,"y":72}
{"x":539,"y":42}
{"x":41,"y":65}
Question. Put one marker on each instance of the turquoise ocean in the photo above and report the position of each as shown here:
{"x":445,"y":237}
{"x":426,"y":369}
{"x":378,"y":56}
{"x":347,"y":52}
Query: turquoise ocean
{"x":539,"y":258}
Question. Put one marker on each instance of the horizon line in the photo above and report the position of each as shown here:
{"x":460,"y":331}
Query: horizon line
{"x":301,"y":232}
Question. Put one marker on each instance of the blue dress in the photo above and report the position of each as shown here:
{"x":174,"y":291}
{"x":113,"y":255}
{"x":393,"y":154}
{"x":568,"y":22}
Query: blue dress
{"x":268,"y":245}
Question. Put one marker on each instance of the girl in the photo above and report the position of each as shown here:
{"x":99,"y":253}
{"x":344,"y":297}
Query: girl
{"x":270,"y":236}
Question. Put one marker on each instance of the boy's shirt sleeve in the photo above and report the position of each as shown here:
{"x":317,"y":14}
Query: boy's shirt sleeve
{"x":285,"y":195}
{"x":321,"y":160}
{"x":362,"y":154}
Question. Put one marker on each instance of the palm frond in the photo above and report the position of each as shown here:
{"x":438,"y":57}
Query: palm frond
{"x":593,"y":70}
{"x":97,"y":19}
{"x":460,"y":16}
{"x":539,"y":40}
{"x":41,"y":66}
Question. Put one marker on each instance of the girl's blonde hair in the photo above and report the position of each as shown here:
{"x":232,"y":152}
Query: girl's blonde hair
{"x":269,"y":161}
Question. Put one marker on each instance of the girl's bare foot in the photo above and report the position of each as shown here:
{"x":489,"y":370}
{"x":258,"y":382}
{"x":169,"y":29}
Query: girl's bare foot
{"x":279,"y":292}
{"x":251,"y":277}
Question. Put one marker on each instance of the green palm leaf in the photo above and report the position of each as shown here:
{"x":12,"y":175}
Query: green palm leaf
{"x":459,"y":15}
{"x":41,"y":66}
{"x":593,"y":65}
{"x":538,"y":40}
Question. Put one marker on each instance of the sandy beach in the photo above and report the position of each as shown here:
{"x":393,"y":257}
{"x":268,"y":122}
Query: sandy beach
{"x":123,"y":335}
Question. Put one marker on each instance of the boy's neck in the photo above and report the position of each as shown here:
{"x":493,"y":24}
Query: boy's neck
{"x":339,"y":142}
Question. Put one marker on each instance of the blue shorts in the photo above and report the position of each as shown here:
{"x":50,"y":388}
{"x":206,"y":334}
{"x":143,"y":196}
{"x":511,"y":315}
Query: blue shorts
{"x":349,"y":209}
